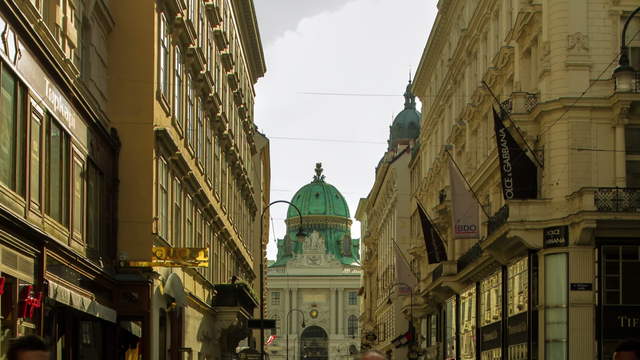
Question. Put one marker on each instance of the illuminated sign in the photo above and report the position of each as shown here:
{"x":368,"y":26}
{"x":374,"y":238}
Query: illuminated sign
{"x":175,"y":257}
{"x":29,"y":302}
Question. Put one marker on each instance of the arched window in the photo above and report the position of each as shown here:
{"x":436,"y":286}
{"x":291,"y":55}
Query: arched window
{"x":352,"y":325}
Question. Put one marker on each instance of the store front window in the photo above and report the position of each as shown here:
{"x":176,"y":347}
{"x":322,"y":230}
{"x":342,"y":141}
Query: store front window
{"x":450,"y":328}
{"x":468,"y":324}
{"x":491,"y":317}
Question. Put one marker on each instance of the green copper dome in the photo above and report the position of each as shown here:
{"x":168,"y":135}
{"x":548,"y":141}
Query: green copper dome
{"x":319,"y":198}
{"x":406,"y":124}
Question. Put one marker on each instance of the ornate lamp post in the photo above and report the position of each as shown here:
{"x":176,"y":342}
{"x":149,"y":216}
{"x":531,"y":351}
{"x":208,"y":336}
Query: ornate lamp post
{"x":287,"y":320}
{"x":300,"y":235}
{"x":624,"y":74}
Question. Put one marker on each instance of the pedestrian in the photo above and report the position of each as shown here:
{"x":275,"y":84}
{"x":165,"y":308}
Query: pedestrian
{"x":373,"y":355}
{"x":627,"y":350}
{"x":29,"y":347}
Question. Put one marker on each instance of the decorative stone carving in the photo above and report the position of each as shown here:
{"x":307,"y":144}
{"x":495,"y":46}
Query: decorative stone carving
{"x":578,"y":42}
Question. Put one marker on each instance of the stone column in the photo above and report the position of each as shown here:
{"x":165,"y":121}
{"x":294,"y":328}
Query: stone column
{"x":332,"y":312}
{"x":340,"y":311}
{"x":294,"y":314}
{"x":620,"y":155}
{"x":286,"y":320}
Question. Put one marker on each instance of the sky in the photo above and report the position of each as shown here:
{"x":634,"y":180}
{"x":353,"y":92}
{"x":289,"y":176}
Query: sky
{"x":336,"y":72}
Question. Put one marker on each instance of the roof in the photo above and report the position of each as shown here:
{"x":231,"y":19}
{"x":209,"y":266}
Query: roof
{"x":318,"y":198}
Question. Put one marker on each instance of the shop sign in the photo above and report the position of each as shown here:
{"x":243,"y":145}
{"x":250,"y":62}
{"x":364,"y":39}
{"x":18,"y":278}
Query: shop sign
{"x":35,"y":76}
{"x":2,"y":281}
{"x":518,"y":329}
{"x":491,"y":336}
{"x":163,"y":256}
{"x":556,"y":236}
{"x":620,"y":322}
{"x":29,"y":302}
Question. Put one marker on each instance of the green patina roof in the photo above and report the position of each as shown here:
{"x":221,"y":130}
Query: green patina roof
{"x":319,"y":198}
{"x":322,"y":199}
{"x":406,"y":124}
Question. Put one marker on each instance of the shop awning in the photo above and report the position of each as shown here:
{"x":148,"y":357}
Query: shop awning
{"x":132,"y":327}
{"x":80,"y":302}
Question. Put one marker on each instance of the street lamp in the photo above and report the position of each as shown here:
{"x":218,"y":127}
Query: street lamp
{"x":300,"y":235}
{"x":287,"y":320}
{"x":624,"y":74}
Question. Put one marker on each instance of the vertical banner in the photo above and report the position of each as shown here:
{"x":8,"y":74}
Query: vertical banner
{"x":436,"y":251}
{"x":404,"y":275}
{"x":464,"y":217}
{"x":519,"y":174}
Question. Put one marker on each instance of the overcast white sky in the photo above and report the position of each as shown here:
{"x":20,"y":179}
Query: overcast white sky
{"x":364,"y":47}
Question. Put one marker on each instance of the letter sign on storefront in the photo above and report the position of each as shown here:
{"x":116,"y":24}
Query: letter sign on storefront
{"x":555,"y":236}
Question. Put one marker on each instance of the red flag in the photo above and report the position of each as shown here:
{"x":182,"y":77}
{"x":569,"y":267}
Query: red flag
{"x":271,"y":339}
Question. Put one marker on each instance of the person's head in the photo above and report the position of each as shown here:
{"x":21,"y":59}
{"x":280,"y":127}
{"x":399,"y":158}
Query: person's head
{"x":627,"y":350}
{"x":30,"y":347}
{"x":373,"y":355}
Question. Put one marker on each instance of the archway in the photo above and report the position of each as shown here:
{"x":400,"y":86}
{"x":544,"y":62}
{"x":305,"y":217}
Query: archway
{"x":314,"y":344}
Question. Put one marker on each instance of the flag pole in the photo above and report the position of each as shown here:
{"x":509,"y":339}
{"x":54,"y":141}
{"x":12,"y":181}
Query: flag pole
{"x":468,"y":184}
{"x":514,"y":124}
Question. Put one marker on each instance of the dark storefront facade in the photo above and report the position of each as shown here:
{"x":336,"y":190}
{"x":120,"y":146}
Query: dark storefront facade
{"x":58,"y":171}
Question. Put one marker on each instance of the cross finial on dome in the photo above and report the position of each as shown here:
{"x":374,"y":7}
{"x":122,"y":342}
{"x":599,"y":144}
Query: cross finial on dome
{"x":318,"y":176}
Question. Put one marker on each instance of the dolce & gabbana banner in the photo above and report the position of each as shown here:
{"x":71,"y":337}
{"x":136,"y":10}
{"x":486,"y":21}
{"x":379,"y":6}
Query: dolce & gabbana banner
{"x":518,"y":173}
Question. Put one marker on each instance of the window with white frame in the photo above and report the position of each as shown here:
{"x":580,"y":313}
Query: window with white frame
{"x":177,"y":212}
{"x":190,"y":127}
{"x":163,"y":198}
{"x":352,"y":325}
{"x":353,"y":298}
{"x":275,"y":298}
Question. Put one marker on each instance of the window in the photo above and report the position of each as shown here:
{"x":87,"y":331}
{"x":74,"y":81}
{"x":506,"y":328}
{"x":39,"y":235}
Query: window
{"x":177,"y":212}
{"x":432,"y":330}
{"x":556,"y":294}
{"x":450,"y":328}
{"x":216,"y":166}
{"x":199,"y":229}
{"x":177,"y":88}
{"x":210,"y":51}
{"x":353,"y":298}
{"x":78,"y":198}
{"x":202,"y":31}
{"x":190,"y":135}
{"x":491,"y":299}
{"x":94,"y":207}
{"x":163,"y":199}
{"x":276,"y":330}
{"x":620,"y":267}
{"x":208,"y":160}
{"x":164,"y":56}
{"x":12,"y":131}
{"x":57,"y":172}
{"x":518,"y":287}
{"x":275,"y":298}
{"x":468,"y":324}
{"x":352,"y":325}
{"x":188,"y":231}
{"x":36,"y":150}
{"x":200,"y":135}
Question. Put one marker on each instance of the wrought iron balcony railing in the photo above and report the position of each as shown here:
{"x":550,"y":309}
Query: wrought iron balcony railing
{"x":498,"y":219}
{"x":617,"y":199}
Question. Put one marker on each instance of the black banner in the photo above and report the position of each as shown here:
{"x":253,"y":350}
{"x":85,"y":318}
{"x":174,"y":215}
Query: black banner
{"x":491,"y":336}
{"x":518,"y":329}
{"x":519,"y":174}
{"x":436,"y":251}
{"x":555,"y":236}
{"x":620,"y":322}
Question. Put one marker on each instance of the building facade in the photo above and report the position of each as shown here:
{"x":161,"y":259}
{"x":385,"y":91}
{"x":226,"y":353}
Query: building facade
{"x":193,"y":171}
{"x":314,"y":282}
{"x":549,"y":276}
{"x":384,"y":218}
{"x":58,"y":180}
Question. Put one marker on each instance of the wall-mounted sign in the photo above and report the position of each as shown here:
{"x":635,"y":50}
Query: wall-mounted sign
{"x":620,"y":322}
{"x":163,"y":256}
{"x":581,"y":286}
{"x":556,"y":236}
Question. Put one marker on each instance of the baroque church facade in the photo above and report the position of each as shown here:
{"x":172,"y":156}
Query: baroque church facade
{"x":314,"y":281}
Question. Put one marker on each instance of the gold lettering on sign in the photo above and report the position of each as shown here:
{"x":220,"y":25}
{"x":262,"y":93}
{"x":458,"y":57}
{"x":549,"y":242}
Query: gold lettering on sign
{"x":175,"y":257}
{"x":628,"y":321}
